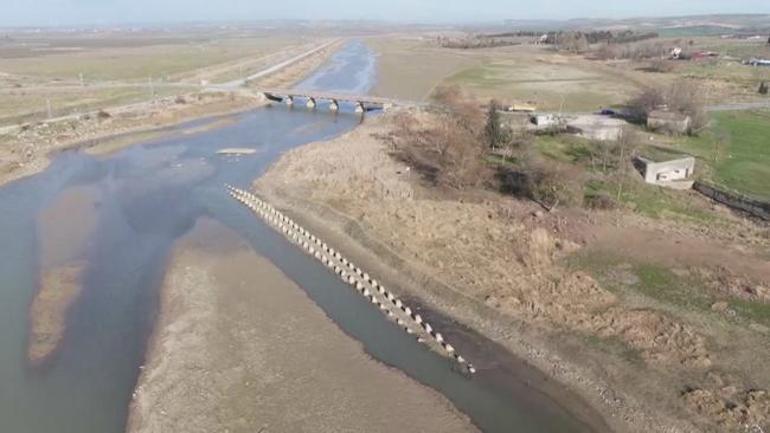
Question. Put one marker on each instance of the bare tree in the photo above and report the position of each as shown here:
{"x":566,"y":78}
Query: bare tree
{"x":450,"y":151}
{"x":686,"y":97}
{"x":648,"y":100}
{"x":683,"y":96}
{"x":627,"y":145}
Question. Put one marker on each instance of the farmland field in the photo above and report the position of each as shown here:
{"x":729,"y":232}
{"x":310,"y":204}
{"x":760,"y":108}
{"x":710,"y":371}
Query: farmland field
{"x":738,"y":151}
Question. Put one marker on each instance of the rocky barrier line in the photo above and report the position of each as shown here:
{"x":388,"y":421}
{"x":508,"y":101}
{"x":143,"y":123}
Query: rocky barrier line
{"x":347,"y":271}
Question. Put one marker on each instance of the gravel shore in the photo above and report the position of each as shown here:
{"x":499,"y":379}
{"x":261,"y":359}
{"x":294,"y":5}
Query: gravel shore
{"x":240,"y":348}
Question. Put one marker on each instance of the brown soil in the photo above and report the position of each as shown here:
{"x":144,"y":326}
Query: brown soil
{"x":485,"y":260}
{"x":409,"y":68}
{"x":240,"y":348}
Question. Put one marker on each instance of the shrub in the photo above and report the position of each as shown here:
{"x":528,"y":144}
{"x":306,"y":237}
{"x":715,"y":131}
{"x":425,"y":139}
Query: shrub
{"x":683,"y":96}
{"x":450,"y":152}
{"x":554,"y":185}
{"x":661,"y":65}
{"x":600,"y":201}
{"x":547,"y":183}
{"x":648,"y":100}
{"x":495,"y":134}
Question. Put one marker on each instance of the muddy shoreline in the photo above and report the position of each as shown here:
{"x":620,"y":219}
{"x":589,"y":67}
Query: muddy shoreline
{"x":214,"y":364}
{"x":40,"y":160}
{"x":496,"y":364}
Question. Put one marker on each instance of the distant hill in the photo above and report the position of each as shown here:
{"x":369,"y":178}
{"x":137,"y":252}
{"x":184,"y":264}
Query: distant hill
{"x":673,"y":26}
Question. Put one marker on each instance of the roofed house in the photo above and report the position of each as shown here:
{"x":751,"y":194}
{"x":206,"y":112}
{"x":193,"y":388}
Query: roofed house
{"x":669,"y":121}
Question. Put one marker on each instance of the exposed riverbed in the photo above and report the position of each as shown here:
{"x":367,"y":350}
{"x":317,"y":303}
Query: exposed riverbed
{"x":149,"y":196}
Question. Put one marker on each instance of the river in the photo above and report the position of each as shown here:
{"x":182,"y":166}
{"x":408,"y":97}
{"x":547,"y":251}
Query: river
{"x":150,"y":194}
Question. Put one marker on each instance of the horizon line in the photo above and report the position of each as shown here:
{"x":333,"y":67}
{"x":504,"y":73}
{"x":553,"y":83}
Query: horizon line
{"x":448,"y":22}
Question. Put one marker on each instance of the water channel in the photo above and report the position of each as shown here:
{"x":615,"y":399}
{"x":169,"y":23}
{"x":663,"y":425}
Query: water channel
{"x":149,"y":195}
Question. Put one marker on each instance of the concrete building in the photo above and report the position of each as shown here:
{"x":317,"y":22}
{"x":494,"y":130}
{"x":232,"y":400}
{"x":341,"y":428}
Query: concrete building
{"x":544,"y":120}
{"x":669,"y":121}
{"x":675,"y":173}
{"x":596,"y":127}
{"x":525,"y":107}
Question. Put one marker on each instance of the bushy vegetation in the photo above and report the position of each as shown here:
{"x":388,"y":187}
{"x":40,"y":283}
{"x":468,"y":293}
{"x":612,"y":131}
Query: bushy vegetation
{"x":683,"y":96}
{"x":450,"y":152}
{"x":580,"y":41}
{"x":495,"y":134}
{"x":573,"y":41}
{"x":462,"y":148}
{"x":641,"y":51}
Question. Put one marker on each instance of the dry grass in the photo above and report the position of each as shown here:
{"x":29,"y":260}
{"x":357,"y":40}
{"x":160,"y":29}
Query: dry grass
{"x":147,"y":57}
{"x":411,"y":68}
{"x":117,"y":69}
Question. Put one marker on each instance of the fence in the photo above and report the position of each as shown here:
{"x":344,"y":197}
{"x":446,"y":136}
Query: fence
{"x":757,"y":208}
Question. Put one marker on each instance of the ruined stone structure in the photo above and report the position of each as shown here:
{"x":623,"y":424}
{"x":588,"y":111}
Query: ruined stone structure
{"x":669,"y":121}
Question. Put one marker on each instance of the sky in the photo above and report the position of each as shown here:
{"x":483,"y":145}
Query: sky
{"x":73,"y":12}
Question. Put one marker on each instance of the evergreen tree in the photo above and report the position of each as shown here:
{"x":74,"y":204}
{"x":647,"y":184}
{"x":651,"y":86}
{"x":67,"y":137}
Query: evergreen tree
{"x":763,"y":88}
{"x":493,"y":130}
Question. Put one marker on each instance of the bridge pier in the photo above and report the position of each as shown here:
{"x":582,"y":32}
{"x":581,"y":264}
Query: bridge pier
{"x":361,"y":103}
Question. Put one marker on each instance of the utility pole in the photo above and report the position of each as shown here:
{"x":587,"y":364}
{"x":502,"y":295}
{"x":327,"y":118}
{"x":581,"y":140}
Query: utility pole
{"x":82,"y":80}
{"x":49,"y":109}
{"x":151,"y":86}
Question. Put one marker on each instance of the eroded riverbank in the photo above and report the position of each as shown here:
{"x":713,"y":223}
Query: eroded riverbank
{"x":241,"y":348}
{"x":353,"y":194}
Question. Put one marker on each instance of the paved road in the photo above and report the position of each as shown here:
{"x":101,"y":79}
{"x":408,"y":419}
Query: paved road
{"x":272,"y":69}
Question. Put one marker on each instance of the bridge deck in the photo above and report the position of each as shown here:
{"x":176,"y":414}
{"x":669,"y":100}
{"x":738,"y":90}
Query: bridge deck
{"x":338,"y":96}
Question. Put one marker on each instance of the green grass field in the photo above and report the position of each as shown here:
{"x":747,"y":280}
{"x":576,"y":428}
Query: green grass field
{"x":736,"y":151}
{"x":630,"y":191}
{"x":655,"y":201}
{"x":661,"y":284}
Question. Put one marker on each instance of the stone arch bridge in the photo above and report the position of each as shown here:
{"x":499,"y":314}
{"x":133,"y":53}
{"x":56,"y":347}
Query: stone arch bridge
{"x":312,"y":99}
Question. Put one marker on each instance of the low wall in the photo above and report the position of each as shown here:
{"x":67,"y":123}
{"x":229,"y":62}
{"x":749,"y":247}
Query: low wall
{"x":756,"y":208}
{"x":387,"y":302}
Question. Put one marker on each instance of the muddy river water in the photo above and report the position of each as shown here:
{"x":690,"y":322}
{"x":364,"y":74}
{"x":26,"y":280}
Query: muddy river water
{"x":147,"y":196}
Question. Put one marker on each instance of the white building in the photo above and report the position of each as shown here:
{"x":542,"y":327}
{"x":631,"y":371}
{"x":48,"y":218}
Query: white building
{"x":674,"y":173}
